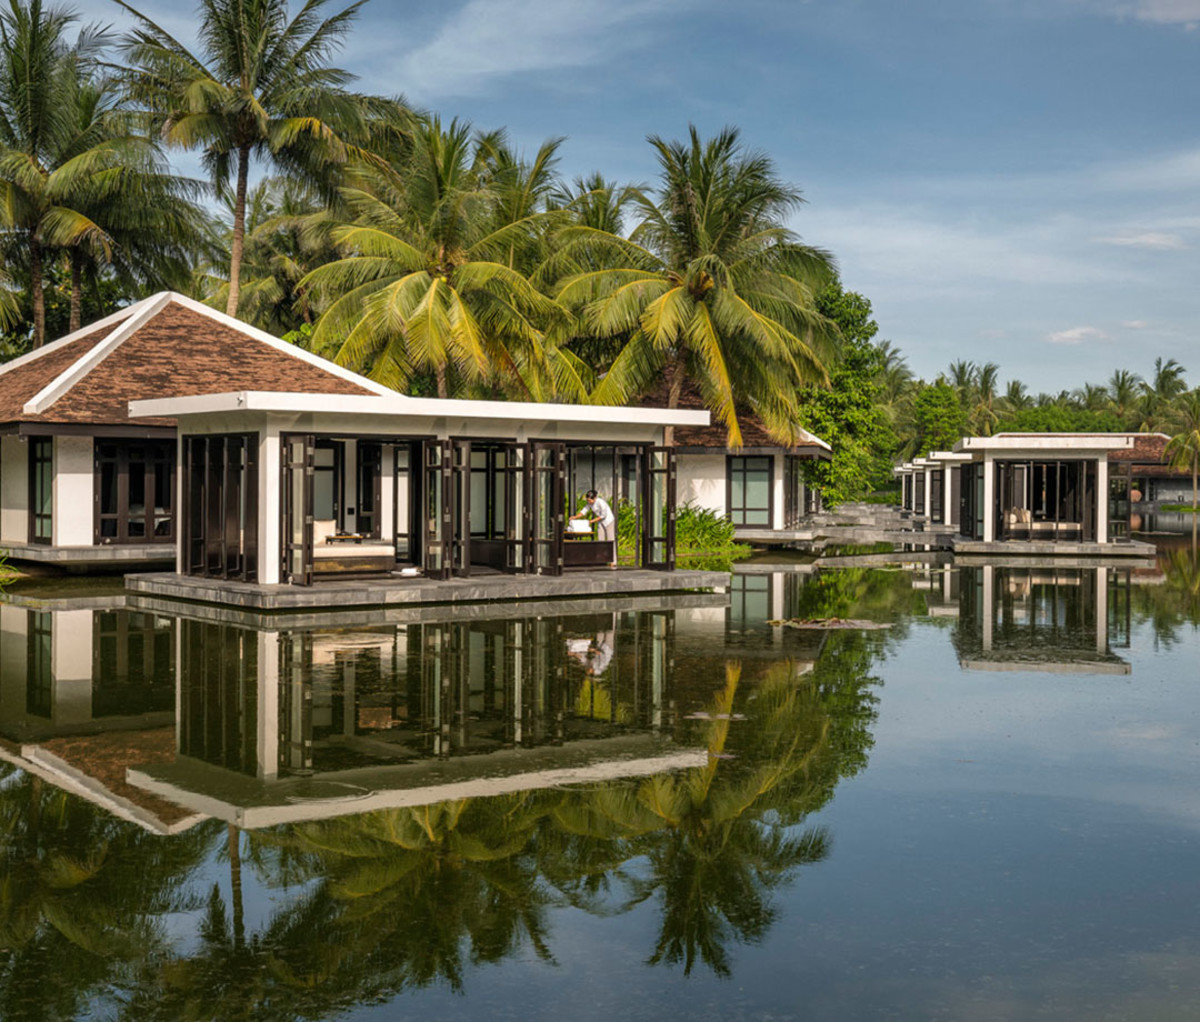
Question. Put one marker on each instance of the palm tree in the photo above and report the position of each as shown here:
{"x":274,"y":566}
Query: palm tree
{"x":983,"y":416}
{"x":286,"y":239}
{"x":1016,"y":397}
{"x":1168,"y":383}
{"x":709,"y":288}
{"x":260,"y":86}
{"x":51,"y":158}
{"x":424,"y":285}
{"x":1123,"y":389}
{"x":1183,"y":449}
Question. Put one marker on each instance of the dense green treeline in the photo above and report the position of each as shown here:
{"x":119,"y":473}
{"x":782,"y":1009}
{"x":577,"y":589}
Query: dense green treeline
{"x":440,"y":259}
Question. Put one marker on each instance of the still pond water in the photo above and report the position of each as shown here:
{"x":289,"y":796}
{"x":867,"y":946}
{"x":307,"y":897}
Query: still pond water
{"x":984,"y":807}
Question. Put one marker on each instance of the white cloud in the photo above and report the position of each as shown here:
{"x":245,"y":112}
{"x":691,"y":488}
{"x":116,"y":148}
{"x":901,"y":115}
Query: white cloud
{"x":488,"y":38}
{"x":1076,"y":335}
{"x":1156,"y":240}
{"x":1156,"y":12}
{"x":1134,"y":324}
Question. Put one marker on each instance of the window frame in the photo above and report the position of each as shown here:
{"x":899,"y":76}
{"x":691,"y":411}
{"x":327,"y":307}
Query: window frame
{"x":738,"y":464}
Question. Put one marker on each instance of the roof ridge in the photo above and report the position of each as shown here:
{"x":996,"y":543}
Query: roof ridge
{"x":78,"y":369}
{"x":71,"y":338}
{"x":282,"y":346}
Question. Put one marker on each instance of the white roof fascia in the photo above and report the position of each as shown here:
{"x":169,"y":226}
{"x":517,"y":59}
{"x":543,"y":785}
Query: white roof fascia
{"x":398,"y":405}
{"x":78,"y":369}
{"x":282,"y":346}
{"x":83,"y":331}
{"x":940,"y":456}
{"x":1072,"y":443}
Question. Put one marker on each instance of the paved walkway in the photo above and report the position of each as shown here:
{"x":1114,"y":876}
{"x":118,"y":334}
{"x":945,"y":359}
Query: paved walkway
{"x":390,"y":592}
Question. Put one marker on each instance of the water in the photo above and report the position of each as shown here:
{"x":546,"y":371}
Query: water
{"x":986,"y":808}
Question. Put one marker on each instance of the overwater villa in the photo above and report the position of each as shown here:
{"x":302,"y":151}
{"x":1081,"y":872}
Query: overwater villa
{"x":169,"y":432}
{"x":931,"y":487}
{"x":1023,"y":492}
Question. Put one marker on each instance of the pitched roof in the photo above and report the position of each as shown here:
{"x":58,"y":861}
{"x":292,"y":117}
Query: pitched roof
{"x":754,"y":433}
{"x":1148,"y":449}
{"x":164,"y":346}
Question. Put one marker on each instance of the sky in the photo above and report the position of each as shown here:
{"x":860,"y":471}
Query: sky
{"x":1015,"y":181}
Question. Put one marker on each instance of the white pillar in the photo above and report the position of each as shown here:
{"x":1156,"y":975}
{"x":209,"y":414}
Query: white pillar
{"x":1102,"y":500}
{"x":1101,"y":610}
{"x":989,"y":495}
{"x":269,"y":548}
{"x":14,"y":489}
{"x":927,"y":482}
{"x":949,"y":513}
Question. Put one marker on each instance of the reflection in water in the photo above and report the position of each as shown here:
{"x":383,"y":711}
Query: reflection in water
{"x":1045,"y":619}
{"x":161,"y":720}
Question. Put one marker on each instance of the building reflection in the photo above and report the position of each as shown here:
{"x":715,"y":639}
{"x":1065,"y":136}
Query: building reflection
{"x":279,"y":704}
{"x":1050,"y":619}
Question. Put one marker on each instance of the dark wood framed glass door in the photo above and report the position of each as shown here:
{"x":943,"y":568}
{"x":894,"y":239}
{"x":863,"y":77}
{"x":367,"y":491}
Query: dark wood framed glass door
{"x":41,"y":489}
{"x":658,"y":538}
{"x":516,"y":508}
{"x":547,"y":492}
{"x":460,"y":523}
{"x":370,"y":490}
{"x":437,"y":507}
{"x":298,"y":455}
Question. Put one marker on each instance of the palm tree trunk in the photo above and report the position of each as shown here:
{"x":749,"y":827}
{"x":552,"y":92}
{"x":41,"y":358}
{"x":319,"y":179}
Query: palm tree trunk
{"x":36,"y":292}
{"x":239,"y":232}
{"x":441,"y":380}
{"x":76,"y":291}
{"x":674,"y":389}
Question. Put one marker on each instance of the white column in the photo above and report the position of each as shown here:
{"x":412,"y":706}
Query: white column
{"x":14,"y":489}
{"x":74,"y":491}
{"x":1101,"y":610}
{"x":1102,"y":500}
{"x":777,"y":487}
{"x":989,"y":498}
{"x":269,"y":550}
{"x":350,"y":495}
{"x":949,"y":513}
{"x":927,"y":482}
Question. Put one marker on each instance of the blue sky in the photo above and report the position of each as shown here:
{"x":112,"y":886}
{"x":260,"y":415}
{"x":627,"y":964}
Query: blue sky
{"x":1006,"y":180}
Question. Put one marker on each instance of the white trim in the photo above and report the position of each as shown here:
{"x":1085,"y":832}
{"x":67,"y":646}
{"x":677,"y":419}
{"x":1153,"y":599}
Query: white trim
{"x":84,"y":331}
{"x":398,"y":405}
{"x":1004,"y":443}
{"x":78,"y":369}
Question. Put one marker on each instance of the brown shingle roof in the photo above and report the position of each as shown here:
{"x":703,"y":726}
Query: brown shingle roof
{"x":176,"y":352}
{"x":21,"y":382}
{"x":1148,"y":449}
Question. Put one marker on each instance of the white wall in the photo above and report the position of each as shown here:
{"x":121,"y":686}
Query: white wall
{"x":14,"y":490}
{"x":700,"y":478}
{"x":74,"y":491}
{"x":14,"y":631}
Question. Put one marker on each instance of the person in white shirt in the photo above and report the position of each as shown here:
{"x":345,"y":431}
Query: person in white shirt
{"x":605,"y":521}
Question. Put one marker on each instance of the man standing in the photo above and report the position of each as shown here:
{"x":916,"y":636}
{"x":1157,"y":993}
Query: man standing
{"x":605,"y":521}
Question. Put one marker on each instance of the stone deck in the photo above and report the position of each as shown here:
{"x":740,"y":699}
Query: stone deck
{"x":393,"y":592}
{"x":1123,"y":550}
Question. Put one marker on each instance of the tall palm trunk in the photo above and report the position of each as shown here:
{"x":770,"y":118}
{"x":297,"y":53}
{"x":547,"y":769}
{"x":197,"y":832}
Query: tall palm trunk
{"x":674,"y":373}
{"x":76,"y":291}
{"x":239,"y":231}
{"x":36,"y":293}
{"x":441,"y":380}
